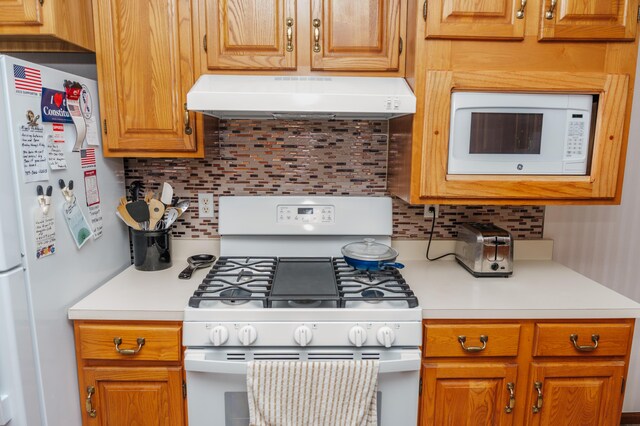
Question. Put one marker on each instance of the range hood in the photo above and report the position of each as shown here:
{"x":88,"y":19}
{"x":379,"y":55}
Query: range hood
{"x":301,"y":97}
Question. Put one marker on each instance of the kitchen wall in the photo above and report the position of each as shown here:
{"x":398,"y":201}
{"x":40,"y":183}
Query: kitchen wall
{"x":603,"y":242}
{"x":253,"y":157}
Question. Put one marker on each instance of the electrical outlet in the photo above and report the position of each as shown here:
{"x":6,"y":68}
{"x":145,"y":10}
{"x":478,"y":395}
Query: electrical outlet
{"x":205,"y":204}
{"x":427,"y":211}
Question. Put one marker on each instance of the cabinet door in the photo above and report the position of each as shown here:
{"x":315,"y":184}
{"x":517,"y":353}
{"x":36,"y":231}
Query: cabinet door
{"x":467,"y":393}
{"x":133,"y":396}
{"x":355,"y":35}
{"x":145,"y":65}
{"x":25,"y":12}
{"x":251,"y":34}
{"x":588,"y":20}
{"x":575,"y":393}
{"x":489,"y":19}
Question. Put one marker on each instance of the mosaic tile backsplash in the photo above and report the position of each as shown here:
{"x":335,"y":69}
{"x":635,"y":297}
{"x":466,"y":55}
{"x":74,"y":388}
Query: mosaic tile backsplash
{"x":255,"y":157}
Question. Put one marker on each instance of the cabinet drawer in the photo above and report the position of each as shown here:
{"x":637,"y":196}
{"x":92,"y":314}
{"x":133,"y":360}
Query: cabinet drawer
{"x":161,"y":342}
{"x":445,"y":340}
{"x":557,"y":340}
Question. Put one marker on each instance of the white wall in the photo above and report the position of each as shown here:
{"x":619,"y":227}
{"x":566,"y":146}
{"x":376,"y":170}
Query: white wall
{"x":603,"y":242}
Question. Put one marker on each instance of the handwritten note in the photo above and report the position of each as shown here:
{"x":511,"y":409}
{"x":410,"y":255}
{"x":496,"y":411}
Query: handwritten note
{"x":34,"y":153}
{"x":92,"y":131}
{"x":45,"y":234}
{"x":55,"y":155}
{"x":95,"y":217}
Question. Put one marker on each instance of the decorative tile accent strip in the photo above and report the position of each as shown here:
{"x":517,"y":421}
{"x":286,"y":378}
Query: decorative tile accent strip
{"x":255,"y":157}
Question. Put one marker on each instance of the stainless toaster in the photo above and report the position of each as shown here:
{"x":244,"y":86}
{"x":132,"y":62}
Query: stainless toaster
{"x":485,"y":250}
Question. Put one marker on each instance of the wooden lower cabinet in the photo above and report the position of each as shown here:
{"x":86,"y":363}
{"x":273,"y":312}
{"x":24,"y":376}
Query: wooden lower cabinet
{"x":468,"y":393}
{"x":130,"y":373}
{"x":134,"y":395}
{"x":526,"y":372}
{"x":575,"y":393}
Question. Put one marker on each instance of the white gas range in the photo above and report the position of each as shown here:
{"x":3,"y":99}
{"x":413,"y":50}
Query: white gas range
{"x":282,"y":291}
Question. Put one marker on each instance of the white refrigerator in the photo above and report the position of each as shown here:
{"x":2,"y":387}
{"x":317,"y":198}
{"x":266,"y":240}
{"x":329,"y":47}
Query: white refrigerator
{"x":44,"y":266}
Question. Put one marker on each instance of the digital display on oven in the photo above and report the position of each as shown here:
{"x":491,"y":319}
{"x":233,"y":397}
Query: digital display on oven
{"x":305,"y":210}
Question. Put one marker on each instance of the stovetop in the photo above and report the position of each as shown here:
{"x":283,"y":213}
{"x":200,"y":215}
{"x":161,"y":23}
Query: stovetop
{"x":300,"y":282}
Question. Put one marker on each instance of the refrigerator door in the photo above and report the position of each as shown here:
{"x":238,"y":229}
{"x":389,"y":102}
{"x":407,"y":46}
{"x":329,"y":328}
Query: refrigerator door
{"x":9,"y":247}
{"x":58,"y":281}
{"x":19,"y":405}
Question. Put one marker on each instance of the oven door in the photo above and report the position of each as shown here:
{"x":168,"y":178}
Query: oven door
{"x":217,"y":389}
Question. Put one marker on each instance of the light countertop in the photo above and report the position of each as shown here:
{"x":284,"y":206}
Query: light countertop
{"x":537,"y":289}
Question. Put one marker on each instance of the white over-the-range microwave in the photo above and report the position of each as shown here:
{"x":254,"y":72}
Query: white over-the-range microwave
{"x":520,"y":133}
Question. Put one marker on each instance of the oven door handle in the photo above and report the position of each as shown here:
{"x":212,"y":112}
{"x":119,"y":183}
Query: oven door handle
{"x":195,"y":363}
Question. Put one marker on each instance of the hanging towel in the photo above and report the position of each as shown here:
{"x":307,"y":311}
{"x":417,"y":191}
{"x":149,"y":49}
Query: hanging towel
{"x":318,"y":393}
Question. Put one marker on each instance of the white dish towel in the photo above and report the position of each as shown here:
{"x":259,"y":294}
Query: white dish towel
{"x":317,"y":393}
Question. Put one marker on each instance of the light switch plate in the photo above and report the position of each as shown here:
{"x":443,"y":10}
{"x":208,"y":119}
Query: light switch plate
{"x":205,"y":204}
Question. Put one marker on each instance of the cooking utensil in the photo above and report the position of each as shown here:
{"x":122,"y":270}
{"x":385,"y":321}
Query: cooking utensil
{"x":156,"y":211}
{"x":126,"y":217}
{"x":167,"y":194}
{"x":182,"y":206}
{"x":368,"y":255}
{"x":170,"y":216}
{"x":135,"y":190}
{"x":139,"y":211}
{"x":196,"y":262}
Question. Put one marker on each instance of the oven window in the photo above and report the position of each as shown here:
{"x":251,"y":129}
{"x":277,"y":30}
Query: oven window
{"x":505,"y":133}
{"x":236,"y":409}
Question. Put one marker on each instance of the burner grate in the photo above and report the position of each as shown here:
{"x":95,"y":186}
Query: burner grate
{"x":238,"y":280}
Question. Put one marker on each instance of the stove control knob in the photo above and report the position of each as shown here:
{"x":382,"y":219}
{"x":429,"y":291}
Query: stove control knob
{"x":219,"y":335}
{"x":247,"y":335}
{"x":357,"y":336}
{"x":302,"y":335}
{"x":386,"y":336}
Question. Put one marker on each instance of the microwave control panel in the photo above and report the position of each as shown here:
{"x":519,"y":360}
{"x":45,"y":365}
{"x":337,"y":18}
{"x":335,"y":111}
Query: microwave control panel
{"x":303,"y":214}
{"x":577,"y":139}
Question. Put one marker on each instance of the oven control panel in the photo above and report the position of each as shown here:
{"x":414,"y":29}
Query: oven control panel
{"x":303,"y":214}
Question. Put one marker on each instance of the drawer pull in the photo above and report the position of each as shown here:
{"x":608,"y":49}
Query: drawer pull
{"x":594,"y":339}
{"x":549,"y":14}
{"x":520,"y":12}
{"x":512,"y":398}
{"x":289,"y":23}
{"x":538,"y":405}
{"x":316,"y":35}
{"x":483,"y":340}
{"x":118,"y":342}
{"x":88,"y":406}
{"x":187,"y":121}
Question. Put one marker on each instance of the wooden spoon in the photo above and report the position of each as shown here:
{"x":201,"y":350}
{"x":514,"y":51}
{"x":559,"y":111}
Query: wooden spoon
{"x":156,"y":210}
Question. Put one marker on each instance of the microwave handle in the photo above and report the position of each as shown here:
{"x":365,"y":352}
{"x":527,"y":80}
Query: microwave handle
{"x":410,"y":362}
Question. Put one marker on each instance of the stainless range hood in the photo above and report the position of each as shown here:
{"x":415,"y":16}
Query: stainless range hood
{"x":301,"y":97}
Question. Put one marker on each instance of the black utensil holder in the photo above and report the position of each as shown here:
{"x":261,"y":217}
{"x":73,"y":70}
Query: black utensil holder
{"x":151,"y":249}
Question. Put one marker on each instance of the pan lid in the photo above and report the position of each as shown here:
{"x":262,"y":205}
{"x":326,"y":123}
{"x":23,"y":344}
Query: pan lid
{"x":368,"y":249}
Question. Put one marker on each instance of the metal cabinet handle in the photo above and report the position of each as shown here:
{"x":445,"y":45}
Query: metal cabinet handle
{"x":289,"y":34}
{"x":538,"y":405}
{"x":594,"y":338}
{"x":512,"y":398}
{"x":549,"y":14}
{"x":316,"y":35}
{"x":483,"y":340}
{"x":88,"y":406}
{"x":187,"y":121}
{"x":520,"y":12}
{"x":118,"y":342}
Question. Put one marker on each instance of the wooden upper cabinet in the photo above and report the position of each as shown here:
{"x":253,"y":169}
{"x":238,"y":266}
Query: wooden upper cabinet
{"x":467,"y":19}
{"x":46,"y":26}
{"x":251,"y":35}
{"x":20,"y":12}
{"x":145,"y":69}
{"x":355,"y":35}
{"x":588,"y":20}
